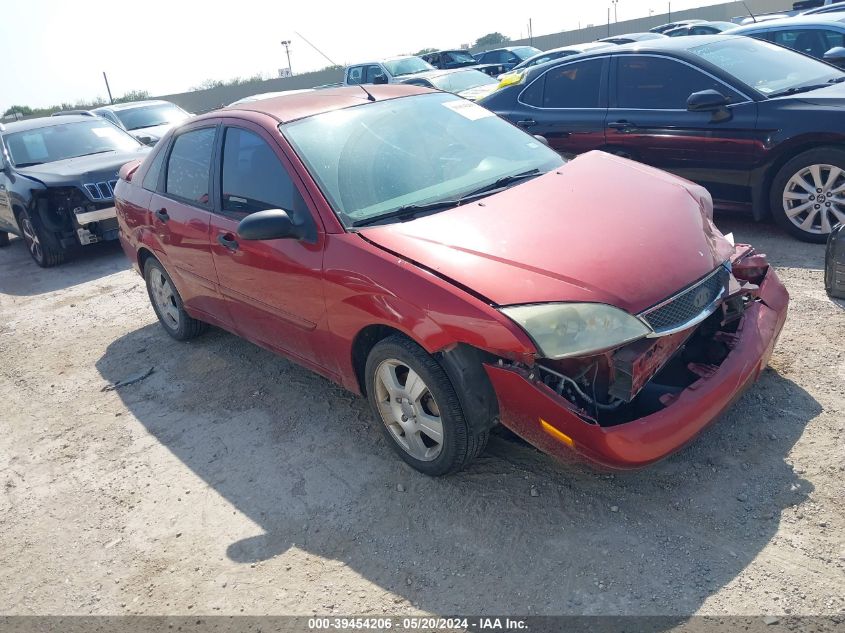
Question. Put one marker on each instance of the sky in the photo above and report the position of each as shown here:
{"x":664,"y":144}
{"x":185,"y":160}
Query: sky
{"x":55,"y":51}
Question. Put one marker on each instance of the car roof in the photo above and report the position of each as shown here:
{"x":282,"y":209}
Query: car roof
{"x":48,"y":121}
{"x":291,"y":107}
{"x":440,"y":72}
{"x":132,"y":104}
{"x":833,"y":19}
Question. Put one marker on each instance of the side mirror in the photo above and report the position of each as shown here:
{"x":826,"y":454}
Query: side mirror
{"x":835,"y":56}
{"x":542,"y":139}
{"x":707,"y":101}
{"x":380,"y":79}
{"x":273,"y":224}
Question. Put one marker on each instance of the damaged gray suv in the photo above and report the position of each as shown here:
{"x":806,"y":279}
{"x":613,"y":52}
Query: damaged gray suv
{"x":57,"y":178}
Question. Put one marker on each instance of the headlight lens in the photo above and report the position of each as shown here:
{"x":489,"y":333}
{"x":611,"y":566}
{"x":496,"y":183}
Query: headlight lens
{"x":508,"y":79}
{"x":561,"y":330}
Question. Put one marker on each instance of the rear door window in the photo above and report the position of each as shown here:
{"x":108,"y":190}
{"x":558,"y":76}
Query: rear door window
{"x":576,"y":85}
{"x":808,"y":41}
{"x":189,"y":166}
{"x":354,"y":75}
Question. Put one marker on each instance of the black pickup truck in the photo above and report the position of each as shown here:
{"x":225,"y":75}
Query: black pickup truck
{"x":57,"y":177}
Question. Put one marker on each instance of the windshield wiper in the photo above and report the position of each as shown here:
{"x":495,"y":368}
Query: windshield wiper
{"x":409,"y":211}
{"x":99,"y":151}
{"x":23,"y":165}
{"x":807,"y":88}
{"x":144,"y":127}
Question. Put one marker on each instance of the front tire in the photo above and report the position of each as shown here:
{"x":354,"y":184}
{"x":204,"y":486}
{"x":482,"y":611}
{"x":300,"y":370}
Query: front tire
{"x":168,"y":304}
{"x":808,"y":194}
{"x":41,"y":244}
{"x":421,"y":415}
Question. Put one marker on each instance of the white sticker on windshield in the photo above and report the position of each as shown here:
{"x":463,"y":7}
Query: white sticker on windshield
{"x":468,"y":109}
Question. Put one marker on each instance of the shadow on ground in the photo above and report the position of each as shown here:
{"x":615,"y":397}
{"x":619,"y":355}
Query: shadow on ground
{"x":26,"y":278}
{"x":305,"y":460}
{"x":767,"y":237}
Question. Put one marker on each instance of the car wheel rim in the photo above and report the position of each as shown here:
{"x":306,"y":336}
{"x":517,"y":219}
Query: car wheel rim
{"x":165,"y":299}
{"x":814,"y":198}
{"x":31,"y":239}
{"x":408,"y":410}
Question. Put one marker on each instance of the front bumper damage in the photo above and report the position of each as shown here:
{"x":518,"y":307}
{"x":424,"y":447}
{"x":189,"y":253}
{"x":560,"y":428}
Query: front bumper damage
{"x":746,"y":328}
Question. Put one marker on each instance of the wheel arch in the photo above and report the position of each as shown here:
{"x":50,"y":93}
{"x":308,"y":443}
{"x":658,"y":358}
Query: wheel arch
{"x":463,"y":364}
{"x":761,"y":195}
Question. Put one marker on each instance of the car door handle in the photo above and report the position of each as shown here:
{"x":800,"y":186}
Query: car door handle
{"x":161,"y":214}
{"x":620,"y":125}
{"x":526,"y":123}
{"x":228,"y":240}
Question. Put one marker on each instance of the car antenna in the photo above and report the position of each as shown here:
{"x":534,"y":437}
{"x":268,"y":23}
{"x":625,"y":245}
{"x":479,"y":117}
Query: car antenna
{"x":367,"y":92}
{"x":749,"y":12}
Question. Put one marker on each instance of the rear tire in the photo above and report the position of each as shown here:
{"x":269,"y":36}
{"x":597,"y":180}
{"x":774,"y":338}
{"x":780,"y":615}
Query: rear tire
{"x":41,"y":243}
{"x":421,"y":416}
{"x":4,"y":239}
{"x":808,"y":194}
{"x":167,"y":304}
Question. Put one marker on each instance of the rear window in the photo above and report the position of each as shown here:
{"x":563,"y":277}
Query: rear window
{"x":189,"y":166}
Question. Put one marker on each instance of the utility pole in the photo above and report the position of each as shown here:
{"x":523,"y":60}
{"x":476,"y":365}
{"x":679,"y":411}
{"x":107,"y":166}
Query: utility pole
{"x":530,"y":32}
{"x":670,"y":11}
{"x":286,"y":44}
{"x":608,"y":21}
{"x":107,"y":87}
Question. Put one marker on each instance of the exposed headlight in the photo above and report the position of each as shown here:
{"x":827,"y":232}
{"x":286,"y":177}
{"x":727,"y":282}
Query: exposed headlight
{"x":562,"y":330}
{"x":509,"y":79}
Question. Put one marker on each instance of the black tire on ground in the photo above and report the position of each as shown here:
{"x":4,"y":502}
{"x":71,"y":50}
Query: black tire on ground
{"x":42,"y":244}
{"x":821,"y":202}
{"x":461,"y":443}
{"x":183,"y":327}
{"x":4,"y":239}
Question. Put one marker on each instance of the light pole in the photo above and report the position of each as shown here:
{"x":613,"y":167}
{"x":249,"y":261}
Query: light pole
{"x":615,"y":18}
{"x":286,"y":44}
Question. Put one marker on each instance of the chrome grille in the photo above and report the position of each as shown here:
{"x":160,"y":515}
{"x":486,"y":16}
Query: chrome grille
{"x":690,"y":305}
{"x":101,"y":190}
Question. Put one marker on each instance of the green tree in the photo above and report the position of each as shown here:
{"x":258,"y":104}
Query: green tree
{"x":492,"y":39}
{"x":23,"y":110}
{"x":423,"y":51}
{"x":133,"y":95}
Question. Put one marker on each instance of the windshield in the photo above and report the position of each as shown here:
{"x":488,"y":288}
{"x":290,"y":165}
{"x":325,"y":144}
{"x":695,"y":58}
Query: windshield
{"x":459,"y":57}
{"x":766,"y":67}
{"x":463,"y":80}
{"x":373,"y":159}
{"x":150,"y":116}
{"x":407,"y":66}
{"x":524,"y":52}
{"x":69,"y":140}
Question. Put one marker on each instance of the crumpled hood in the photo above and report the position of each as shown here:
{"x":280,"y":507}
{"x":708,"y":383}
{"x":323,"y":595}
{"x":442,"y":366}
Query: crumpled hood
{"x":598,"y":229}
{"x":75,"y":172}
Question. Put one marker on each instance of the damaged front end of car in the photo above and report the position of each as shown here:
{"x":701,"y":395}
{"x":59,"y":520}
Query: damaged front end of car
{"x":77,"y":215}
{"x":677,"y":366}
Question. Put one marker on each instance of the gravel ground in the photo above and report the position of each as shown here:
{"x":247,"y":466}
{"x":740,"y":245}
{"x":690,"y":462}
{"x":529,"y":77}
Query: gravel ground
{"x":232,"y":481}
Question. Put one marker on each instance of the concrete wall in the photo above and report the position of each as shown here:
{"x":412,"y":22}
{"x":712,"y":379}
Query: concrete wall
{"x":200,"y":101}
{"x":717,"y":12}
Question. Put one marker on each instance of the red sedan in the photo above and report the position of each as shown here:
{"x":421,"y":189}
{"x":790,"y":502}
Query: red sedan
{"x":415,"y":248}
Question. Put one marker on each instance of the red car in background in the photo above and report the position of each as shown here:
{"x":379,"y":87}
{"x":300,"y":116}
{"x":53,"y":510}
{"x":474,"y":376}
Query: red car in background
{"x":415,"y":248}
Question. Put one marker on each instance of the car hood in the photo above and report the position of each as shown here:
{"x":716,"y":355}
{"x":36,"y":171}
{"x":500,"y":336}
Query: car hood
{"x":155,"y":132}
{"x":82,"y":170}
{"x":478,"y":91}
{"x":598,"y":229}
{"x":830,"y":96}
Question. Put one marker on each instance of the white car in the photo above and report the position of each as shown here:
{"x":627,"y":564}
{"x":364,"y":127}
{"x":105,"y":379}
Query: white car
{"x":145,"y":120}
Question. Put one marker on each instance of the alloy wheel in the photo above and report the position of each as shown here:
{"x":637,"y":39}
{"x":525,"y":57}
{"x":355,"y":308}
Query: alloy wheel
{"x":165,"y":299}
{"x":408,"y":410}
{"x":31,"y":238}
{"x":814,"y":198}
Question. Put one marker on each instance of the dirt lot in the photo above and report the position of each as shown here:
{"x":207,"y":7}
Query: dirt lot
{"x":232,"y":481}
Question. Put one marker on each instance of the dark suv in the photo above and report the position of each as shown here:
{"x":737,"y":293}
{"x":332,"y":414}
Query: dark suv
{"x":57,"y":176}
